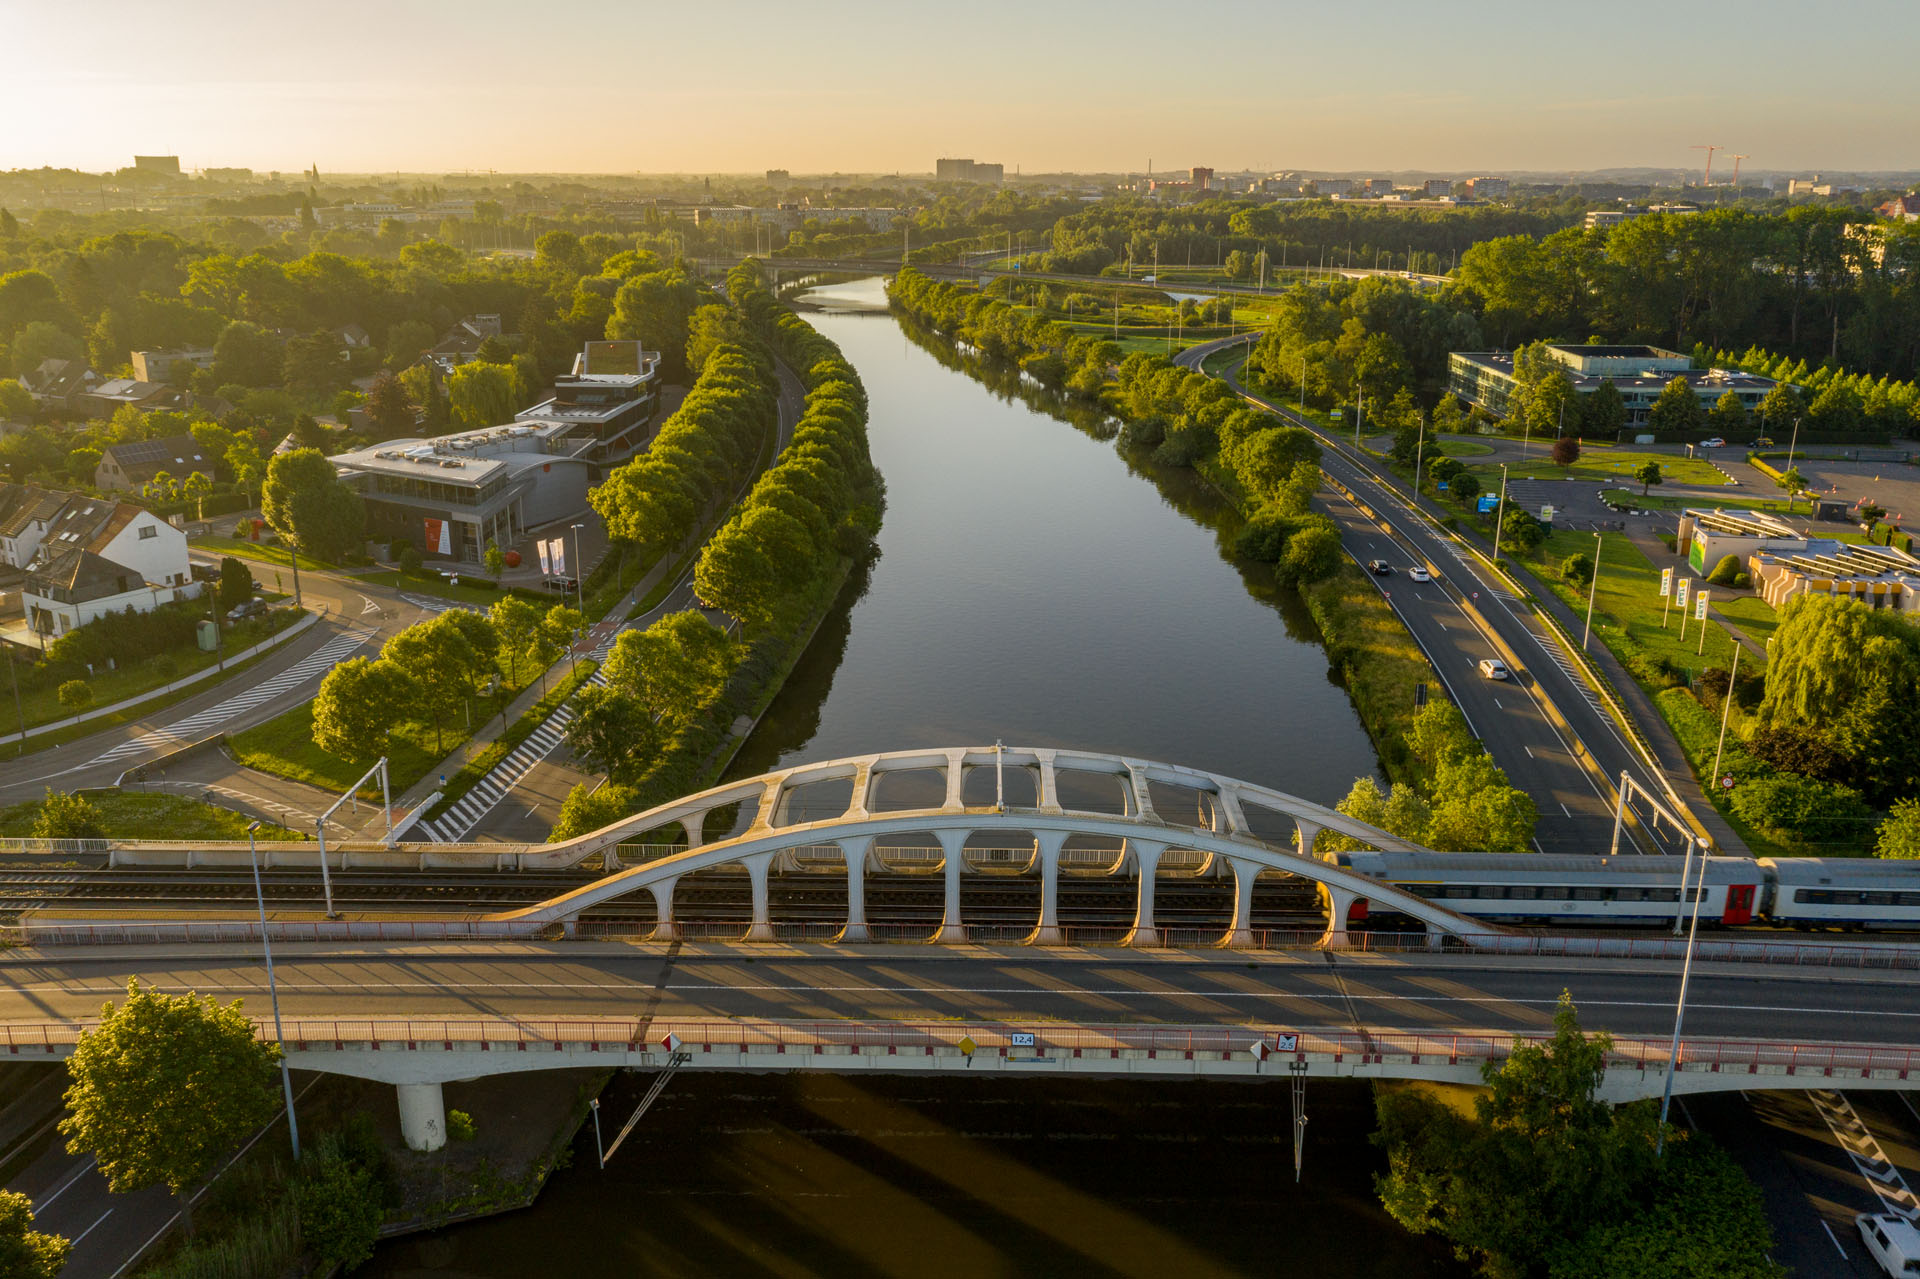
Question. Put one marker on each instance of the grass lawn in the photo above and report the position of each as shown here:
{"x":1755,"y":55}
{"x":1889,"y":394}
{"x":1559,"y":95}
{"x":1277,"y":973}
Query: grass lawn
{"x":1753,"y":615}
{"x":283,"y":746}
{"x":148,"y":815}
{"x":1380,"y":658}
{"x":42,"y":705}
{"x":266,"y":554}
{"x":1605,"y":464}
{"x":1657,"y":501}
{"x":1457,"y":446}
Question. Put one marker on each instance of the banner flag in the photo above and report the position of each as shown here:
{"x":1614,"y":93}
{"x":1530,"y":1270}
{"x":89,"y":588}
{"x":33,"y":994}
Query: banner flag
{"x":560,"y":556}
{"x":1666,"y":582}
{"x":546,"y":568}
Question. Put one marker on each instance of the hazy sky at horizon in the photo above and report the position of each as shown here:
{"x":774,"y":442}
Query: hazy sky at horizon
{"x":871,"y":86}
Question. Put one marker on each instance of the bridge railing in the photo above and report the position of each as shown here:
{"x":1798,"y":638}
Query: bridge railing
{"x":1840,"y":1061}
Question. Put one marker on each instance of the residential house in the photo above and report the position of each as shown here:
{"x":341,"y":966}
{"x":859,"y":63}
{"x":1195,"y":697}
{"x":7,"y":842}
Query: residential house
{"x":26,"y":512}
{"x":462,"y":342}
{"x":58,"y":384}
{"x":354,"y":338}
{"x":106,"y":398}
{"x":126,"y":467}
{"x":99,"y":556}
{"x":1902,"y":208}
{"x":158,"y":366}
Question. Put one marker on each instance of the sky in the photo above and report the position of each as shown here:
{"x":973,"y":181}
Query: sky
{"x":884,"y":86}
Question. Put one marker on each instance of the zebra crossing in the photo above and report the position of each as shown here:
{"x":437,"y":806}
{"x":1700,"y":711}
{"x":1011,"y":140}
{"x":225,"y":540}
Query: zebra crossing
{"x":1882,"y":1177}
{"x":311,"y":667}
{"x":427,"y":603}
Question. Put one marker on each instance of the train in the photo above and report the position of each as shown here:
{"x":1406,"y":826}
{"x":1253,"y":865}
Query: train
{"x":1851,"y":894}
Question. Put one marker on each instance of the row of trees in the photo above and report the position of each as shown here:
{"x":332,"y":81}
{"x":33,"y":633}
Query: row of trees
{"x":1459,"y":801}
{"x":429,"y":671}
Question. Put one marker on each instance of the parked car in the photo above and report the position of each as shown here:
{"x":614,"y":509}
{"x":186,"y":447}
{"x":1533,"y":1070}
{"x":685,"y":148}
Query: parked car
{"x":1893,"y":1241}
{"x":245,"y":609}
{"x":1493,"y":668}
{"x":1379,"y":568}
{"x":1419,"y":574}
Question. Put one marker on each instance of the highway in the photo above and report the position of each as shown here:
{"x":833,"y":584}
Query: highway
{"x":1548,"y":761}
{"x":1362,"y":993}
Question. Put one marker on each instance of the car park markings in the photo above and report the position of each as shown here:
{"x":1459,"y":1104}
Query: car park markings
{"x":1879,"y":1172}
{"x":314,"y":665}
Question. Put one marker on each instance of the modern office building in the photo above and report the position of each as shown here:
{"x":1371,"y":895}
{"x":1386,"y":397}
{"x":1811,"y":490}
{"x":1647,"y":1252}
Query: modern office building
{"x":1639,"y":373}
{"x":452,"y":495}
{"x":1487,"y":188}
{"x":167,"y":165}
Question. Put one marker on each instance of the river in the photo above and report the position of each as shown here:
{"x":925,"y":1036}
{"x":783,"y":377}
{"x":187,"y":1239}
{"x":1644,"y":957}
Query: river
{"x":1037,"y":585}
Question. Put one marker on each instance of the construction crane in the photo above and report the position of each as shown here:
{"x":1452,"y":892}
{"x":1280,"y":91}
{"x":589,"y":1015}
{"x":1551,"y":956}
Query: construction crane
{"x":1736,"y":170}
{"x":1707,"y":180}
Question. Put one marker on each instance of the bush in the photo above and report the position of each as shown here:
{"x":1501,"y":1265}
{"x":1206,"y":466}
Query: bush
{"x":1725,"y":571}
{"x":1566,"y":450}
{"x":1522,"y":532}
{"x":410,"y":558}
{"x":340,"y":1208}
{"x":1671,"y":543}
{"x":1804,"y":810}
{"x":1742,"y":582}
{"x":1655,"y":671}
{"x":76,"y":694}
{"x":1578,"y":568}
{"x":1312,"y":554}
{"x":1464,"y":487}
{"x":1711,"y":688}
{"x":460,"y":1125}
{"x":64,"y":816}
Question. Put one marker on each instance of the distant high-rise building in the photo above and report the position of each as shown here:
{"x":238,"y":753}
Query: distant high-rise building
{"x":1439,"y":186}
{"x":968,"y":171}
{"x":1486,"y":188}
{"x":227,"y":175}
{"x":1202,"y":178}
{"x":778,"y":177}
{"x":168,"y":165}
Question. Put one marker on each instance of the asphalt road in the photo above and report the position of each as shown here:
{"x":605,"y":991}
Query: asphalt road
{"x":1576,"y":806}
{"x":716,"y":981}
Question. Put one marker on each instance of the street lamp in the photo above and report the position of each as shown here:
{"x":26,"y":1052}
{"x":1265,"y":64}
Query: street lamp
{"x":1500,"y":516}
{"x":273,"y":992}
{"x":1793,"y":443}
{"x":1680,"y":1004}
{"x":1593,"y":589}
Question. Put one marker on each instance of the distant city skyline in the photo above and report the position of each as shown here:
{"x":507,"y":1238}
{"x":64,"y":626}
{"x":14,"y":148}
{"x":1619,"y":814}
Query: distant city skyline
{"x":739,"y":86}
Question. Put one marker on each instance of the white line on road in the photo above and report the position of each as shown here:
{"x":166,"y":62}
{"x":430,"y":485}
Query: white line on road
{"x":1836,"y":1243}
{"x":90,"y":1229}
{"x":1527,"y":749}
{"x":1565,"y":809}
{"x":63,"y":1187}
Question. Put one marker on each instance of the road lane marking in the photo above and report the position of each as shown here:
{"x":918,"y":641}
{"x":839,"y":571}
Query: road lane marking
{"x":1836,"y":1242}
{"x":1854,"y":1137}
{"x":90,"y":1229}
{"x":64,"y":1186}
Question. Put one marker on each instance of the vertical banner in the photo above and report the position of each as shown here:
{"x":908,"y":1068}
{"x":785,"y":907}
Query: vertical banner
{"x":1680,"y":591}
{"x":433,"y":534}
{"x":1700,"y":606}
{"x":1666,"y":582}
{"x":546,"y":566}
{"x":559,"y":545}
{"x":446,"y":537}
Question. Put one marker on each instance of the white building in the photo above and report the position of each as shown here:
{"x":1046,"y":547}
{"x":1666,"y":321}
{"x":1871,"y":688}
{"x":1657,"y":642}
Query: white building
{"x":98,"y":556}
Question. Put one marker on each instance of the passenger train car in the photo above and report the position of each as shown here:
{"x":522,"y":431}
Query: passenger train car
{"x":1635,"y":891}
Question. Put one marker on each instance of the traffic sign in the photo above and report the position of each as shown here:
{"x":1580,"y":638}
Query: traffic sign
{"x":1726,"y":783}
{"x":1020,"y":1039}
{"x":1258,"y":1050}
{"x":671,"y":1043}
{"x":967,"y":1046}
{"x":1286,"y":1043}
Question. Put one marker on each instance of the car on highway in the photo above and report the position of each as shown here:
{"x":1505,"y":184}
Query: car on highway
{"x":1419,"y":574}
{"x":245,"y":609}
{"x":1893,"y":1241}
{"x":1715,"y":443}
{"x":1494,"y":668}
{"x":1379,"y":568}
{"x":1764,"y":442}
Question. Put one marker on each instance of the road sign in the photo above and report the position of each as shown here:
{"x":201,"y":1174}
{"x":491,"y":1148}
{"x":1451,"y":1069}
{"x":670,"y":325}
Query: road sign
{"x":1286,"y":1043}
{"x":1726,"y":783}
{"x":1419,"y":695}
{"x":671,"y":1043}
{"x":1021,"y":1040}
{"x":967,"y":1046}
{"x":1258,"y":1051}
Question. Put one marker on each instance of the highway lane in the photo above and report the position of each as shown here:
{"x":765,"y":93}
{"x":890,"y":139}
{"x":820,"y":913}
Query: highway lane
{"x":717,"y":981}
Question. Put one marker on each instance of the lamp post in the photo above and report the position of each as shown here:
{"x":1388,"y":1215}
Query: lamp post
{"x":1726,"y":713}
{"x":1793,"y":443}
{"x":19,"y":711}
{"x":1500,"y":515}
{"x":1680,"y":1004}
{"x":273,"y":992}
{"x":1593,"y":589}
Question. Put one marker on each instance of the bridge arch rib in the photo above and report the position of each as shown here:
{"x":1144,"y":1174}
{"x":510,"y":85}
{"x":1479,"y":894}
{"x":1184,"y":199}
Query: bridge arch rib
{"x":1143,"y":831}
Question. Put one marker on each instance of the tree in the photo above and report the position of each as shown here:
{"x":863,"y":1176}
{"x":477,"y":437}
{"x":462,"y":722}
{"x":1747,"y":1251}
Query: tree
{"x":1603,"y":412}
{"x":65,"y":816}
{"x":311,"y":364}
{"x":75,"y":694}
{"x":1781,"y":407}
{"x":480,"y":395}
{"x":195,"y":489}
{"x":26,"y":1253}
{"x":1803,"y":810}
{"x":1464,"y":486}
{"x":41,"y":341}
{"x":1313,"y":553}
{"x":675,"y":667}
{"x":1728,"y":415}
{"x":16,"y":405}
{"x":1577,"y":568}
{"x":247,"y":464}
{"x":236,"y":583}
{"x":161,"y":488}
{"x":340,"y":1206}
{"x":1899,"y":834}
{"x":437,"y":654}
{"x":1792,"y":483}
{"x":1566,"y":450}
{"x":359,"y":704}
{"x":495,"y":559}
{"x":612,"y":732}
{"x":247,"y":355}
{"x":389,"y":408}
{"x":1476,"y":810}
{"x":1676,"y":409}
{"x":657,"y":307}
{"x":516,"y":622}
{"x":1850,"y":675}
{"x":1648,"y":473}
{"x":163,"y":1087}
{"x":306,"y":503}
{"x":1521,"y":532}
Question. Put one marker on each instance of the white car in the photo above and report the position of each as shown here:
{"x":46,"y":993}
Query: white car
{"x":1715,"y":443}
{"x":1419,"y":574}
{"x":1893,"y":1241}
{"x":1493,"y":668}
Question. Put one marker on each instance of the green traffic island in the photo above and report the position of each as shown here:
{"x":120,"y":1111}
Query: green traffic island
{"x":123,"y":814}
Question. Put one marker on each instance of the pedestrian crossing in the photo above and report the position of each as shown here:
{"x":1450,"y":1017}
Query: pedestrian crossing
{"x":311,"y":667}
{"x":1854,"y":1137}
{"x":427,"y":603}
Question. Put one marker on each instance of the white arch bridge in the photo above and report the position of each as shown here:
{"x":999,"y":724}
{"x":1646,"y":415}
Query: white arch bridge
{"x":1159,"y":815}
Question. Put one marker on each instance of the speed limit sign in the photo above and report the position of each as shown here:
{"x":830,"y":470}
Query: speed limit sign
{"x":1726,"y":782}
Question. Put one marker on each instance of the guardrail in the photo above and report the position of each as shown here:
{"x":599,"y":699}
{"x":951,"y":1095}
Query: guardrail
{"x":1839,"y":1061}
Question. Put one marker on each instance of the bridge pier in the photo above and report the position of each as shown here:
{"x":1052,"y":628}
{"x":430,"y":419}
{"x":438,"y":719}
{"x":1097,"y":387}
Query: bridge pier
{"x":855,"y":852}
{"x":1307,"y":833}
{"x":1146,"y":859}
{"x":757,"y":868}
{"x":1049,"y":843}
{"x":1339,"y":903}
{"x":1244,"y":875}
{"x":664,"y":929}
{"x":423,"y":1116}
{"x":953,"y":843}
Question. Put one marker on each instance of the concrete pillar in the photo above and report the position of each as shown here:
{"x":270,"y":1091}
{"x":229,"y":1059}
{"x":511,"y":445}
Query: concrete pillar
{"x":664,"y":929}
{"x":855,"y":851}
{"x":1226,"y":806}
{"x":695,"y":825}
{"x":610,"y":859}
{"x":1048,"y":933}
{"x":953,"y":846}
{"x":1146,"y":859}
{"x":423,"y":1116}
{"x":1339,"y":902}
{"x":770,"y":800}
{"x":1142,"y":797}
{"x":1308,"y":832}
{"x":757,"y":867}
{"x":1244,"y":873}
{"x":1049,"y":786}
{"x":956,"y":781}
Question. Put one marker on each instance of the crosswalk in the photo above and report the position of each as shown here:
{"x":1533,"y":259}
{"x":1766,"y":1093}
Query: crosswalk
{"x":427,"y":603}
{"x":311,"y":667}
{"x":453,"y":825}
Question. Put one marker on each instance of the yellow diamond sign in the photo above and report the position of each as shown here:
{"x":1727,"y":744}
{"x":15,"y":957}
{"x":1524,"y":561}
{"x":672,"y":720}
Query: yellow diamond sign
{"x":967,"y":1046}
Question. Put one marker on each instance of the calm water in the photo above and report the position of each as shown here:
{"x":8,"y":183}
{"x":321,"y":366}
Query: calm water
{"x":1035,"y":584}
